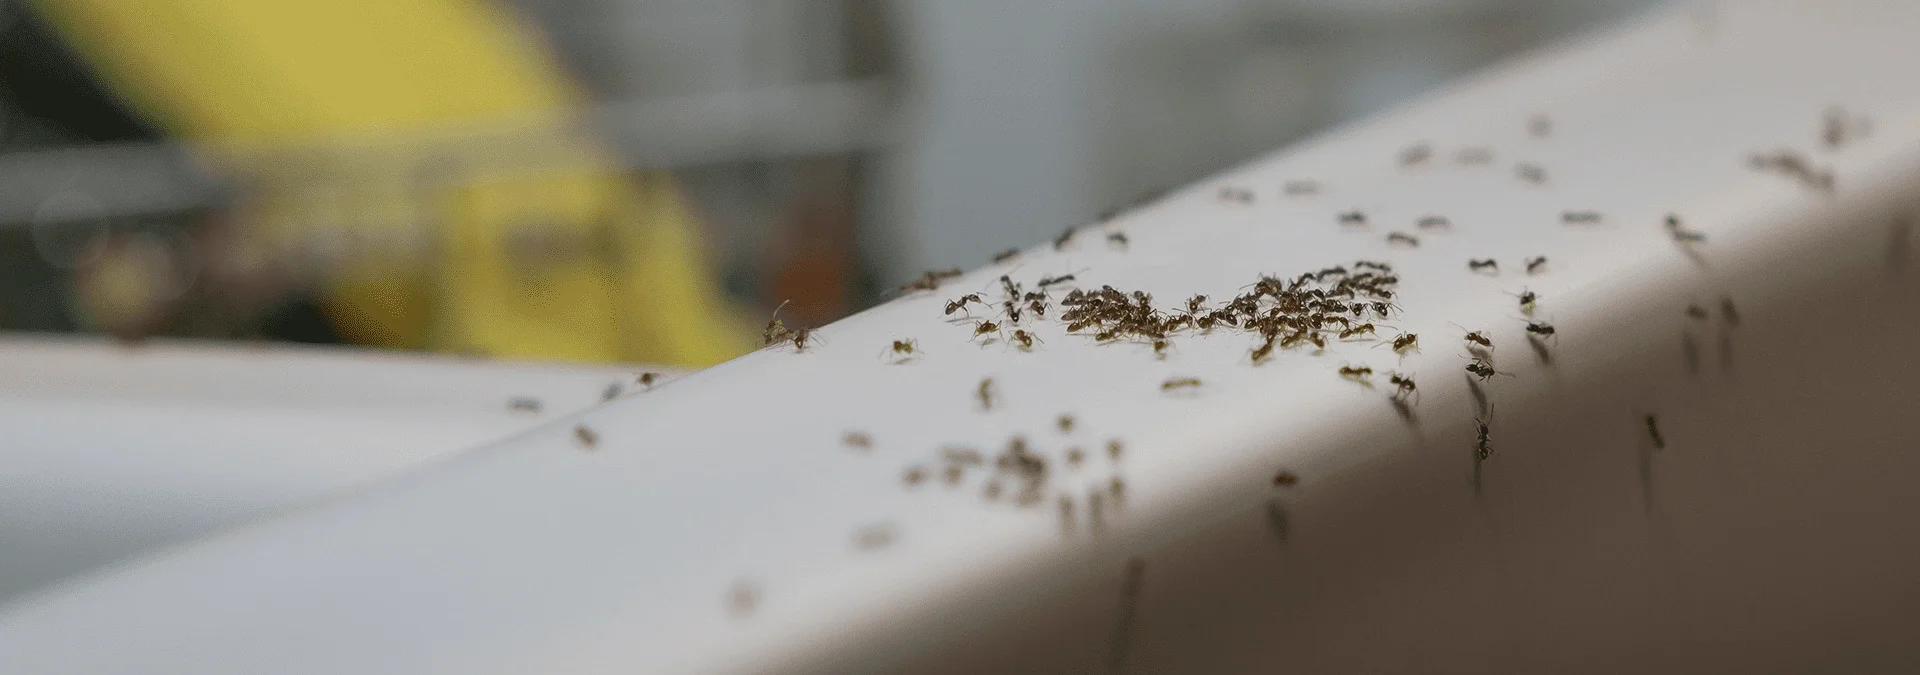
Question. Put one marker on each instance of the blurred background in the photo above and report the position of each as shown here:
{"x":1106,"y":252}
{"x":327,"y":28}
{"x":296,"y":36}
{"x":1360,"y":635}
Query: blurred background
{"x":634,"y":180}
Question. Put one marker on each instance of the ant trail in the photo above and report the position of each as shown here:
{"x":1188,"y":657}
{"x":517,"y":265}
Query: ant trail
{"x":1129,"y":608}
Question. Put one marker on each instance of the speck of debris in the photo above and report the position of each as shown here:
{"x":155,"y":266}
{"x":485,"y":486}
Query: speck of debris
{"x":587,"y":437}
{"x":527,"y":404}
{"x":1285,"y":479}
{"x":611,"y":392}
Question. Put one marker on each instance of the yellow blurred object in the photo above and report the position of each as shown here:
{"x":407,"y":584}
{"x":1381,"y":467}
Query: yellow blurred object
{"x":577,"y":261}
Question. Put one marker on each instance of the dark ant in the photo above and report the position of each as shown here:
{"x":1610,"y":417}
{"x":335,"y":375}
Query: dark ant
{"x":1366,"y":328}
{"x":1540,"y":328}
{"x":775,"y":330}
{"x":1118,"y":238}
{"x":1402,"y":238}
{"x":1405,"y":343}
{"x":1482,"y":369}
{"x":586,"y":436}
{"x":1356,"y":373}
{"x":1727,"y":312}
{"x":1261,"y":352}
{"x":1065,"y":237}
{"x":1049,"y":281}
{"x":1483,"y":448}
{"x":1285,"y":479}
{"x":1653,"y":430}
{"x":647,"y":379}
{"x":1354,"y":217}
{"x":1006,"y":255}
{"x":1416,"y":154}
{"x":1695,"y":311}
{"x":1300,"y":188}
{"x":1579,"y":217}
{"x":1532,"y":173}
{"x":961,"y":303}
{"x":1160,"y":349}
{"x":801,"y":338}
{"x":1475,"y":265}
{"x":525,"y":404}
{"x":1025,"y":339}
{"x":1038,"y":307}
{"x":1403,"y":385}
{"x":1180,"y":383}
{"x":1535,"y":264}
{"x":1236,"y":195}
{"x":1539,"y":126}
{"x":1527,"y":301}
{"x":985,"y":394}
{"x":1012,"y":310}
{"x":1369,"y":264}
{"x":1478,"y":338}
{"x":857,"y":440}
{"x":1433,"y":221}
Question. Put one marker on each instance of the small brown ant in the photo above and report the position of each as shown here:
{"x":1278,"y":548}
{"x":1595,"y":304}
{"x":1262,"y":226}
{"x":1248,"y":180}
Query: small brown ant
{"x":1406,"y":342}
{"x":525,"y":404}
{"x":1403,"y":385}
{"x":1695,"y":311}
{"x":585,"y":436}
{"x":1653,"y":430}
{"x":1535,"y":264}
{"x":905,"y":349}
{"x":1025,"y":339}
{"x":1180,"y":383}
{"x":1075,"y":456}
{"x":1049,"y":281}
{"x":1006,"y":255}
{"x":1433,"y":221}
{"x":914,"y":476}
{"x":1300,"y":188}
{"x":984,"y":328}
{"x":1285,"y":479}
{"x":1261,"y":352}
{"x":1066,"y":236}
{"x":647,"y":379}
{"x":1416,"y":154}
{"x":1160,"y":348}
{"x":857,"y":440}
{"x":1354,"y":217}
{"x":1402,"y":238}
{"x":1482,"y":369}
{"x":1477,"y":264}
{"x":1580,"y":217}
{"x":1065,"y":422}
{"x":1366,"y":328}
{"x":1540,"y":328}
{"x":1727,"y":312}
{"x":962,"y":456}
{"x":1115,"y":449}
{"x":1479,"y":338}
{"x":775,"y":330}
{"x":1527,"y":301}
{"x":953,"y":474}
{"x":1483,"y":447}
{"x":961,"y":303}
{"x":985,"y":394}
{"x":1532,"y":173}
{"x":800,"y":339}
{"x":1356,"y":373}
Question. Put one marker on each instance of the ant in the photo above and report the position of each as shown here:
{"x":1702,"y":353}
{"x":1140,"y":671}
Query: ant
{"x":1433,"y":221}
{"x":1075,"y":456}
{"x":1579,"y":217}
{"x":1180,"y":383}
{"x":1025,"y":339}
{"x":1356,"y":373}
{"x":1160,"y":349}
{"x":1727,"y":311}
{"x":1356,"y":330}
{"x":960,"y":304}
{"x":985,"y":393}
{"x":647,"y":379}
{"x":1354,"y":217}
{"x":801,"y":338}
{"x":1653,"y":430}
{"x":1300,"y":188}
{"x":1236,"y":195}
{"x":1118,"y":238}
{"x":1115,"y":449}
{"x":1540,"y":328}
{"x":1539,"y":126}
{"x":1532,"y":173}
{"x":1066,"y":236}
{"x":1006,"y":255}
{"x":775,"y":330}
{"x":857,"y":440}
{"x":905,"y":349}
{"x":1369,"y":264}
{"x":1535,"y":264}
{"x":526,"y":404}
{"x":1049,"y":281}
{"x":586,"y":436}
{"x":1484,"y":447}
{"x":1527,"y":301}
{"x":1403,"y":386}
{"x":1285,"y":479}
{"x":1038,"y":307}
{"x":1405,"y":343}
{"x":1013,"y":311}
{"x":1065,"y":422}
{"x":1482,"y":369}
{"x":1261,"y":352}
{"x":1695,"y":311}
{"x":984,"y":328}
{"x":1681,"y":234}
{"x":1479,"y":338}
{"x":1402,"y":238}
{"x":1416,"y":154}
{"x":914,"y":476}
{"x":1474,"y":156}
{"x":1475,"y":265}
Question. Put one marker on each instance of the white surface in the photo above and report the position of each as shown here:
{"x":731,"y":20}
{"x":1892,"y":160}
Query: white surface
{"x":1587,"y":552}
{"x":106,"y":451}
